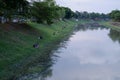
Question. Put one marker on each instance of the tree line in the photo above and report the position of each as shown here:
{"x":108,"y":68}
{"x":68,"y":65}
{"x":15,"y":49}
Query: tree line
{"x":92,"y":15}
{"x":45,"y":11}
{"x":41,"y":11}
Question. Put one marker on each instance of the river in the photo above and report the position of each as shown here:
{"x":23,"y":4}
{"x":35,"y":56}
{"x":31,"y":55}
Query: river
{"x":90,"y":54}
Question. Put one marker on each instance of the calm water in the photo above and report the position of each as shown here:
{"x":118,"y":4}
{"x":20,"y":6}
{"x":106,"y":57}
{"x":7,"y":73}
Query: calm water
{"x":90,"y":54}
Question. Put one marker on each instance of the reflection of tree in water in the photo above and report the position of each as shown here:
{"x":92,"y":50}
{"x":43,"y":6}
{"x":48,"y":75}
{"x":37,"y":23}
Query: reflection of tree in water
{"x":114,"y":35}
{"x":41,"y":68}
{"x":90,"y":26}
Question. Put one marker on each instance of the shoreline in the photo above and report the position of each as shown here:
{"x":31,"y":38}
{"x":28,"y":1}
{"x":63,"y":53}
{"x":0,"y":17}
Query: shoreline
{"x":23,"y":54}
{"x":111,"y":24}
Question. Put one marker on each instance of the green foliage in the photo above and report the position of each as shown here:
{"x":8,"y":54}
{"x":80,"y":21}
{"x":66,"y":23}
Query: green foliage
{"x":68,"y":13}
{"x":115,"y":15}
{"x":47,"y":11}
{"x":94,"y":16}
{"x":14,"y":7}
{"x":50,"y":2}
{"x":2,"y":6}
{"x":60,"y":13}
{"x":42,"y":11}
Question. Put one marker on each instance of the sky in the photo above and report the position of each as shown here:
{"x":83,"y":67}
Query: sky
{"x":101,"y":6}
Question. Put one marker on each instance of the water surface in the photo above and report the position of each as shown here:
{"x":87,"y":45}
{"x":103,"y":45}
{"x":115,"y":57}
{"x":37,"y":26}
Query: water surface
{"x":90,"y":54}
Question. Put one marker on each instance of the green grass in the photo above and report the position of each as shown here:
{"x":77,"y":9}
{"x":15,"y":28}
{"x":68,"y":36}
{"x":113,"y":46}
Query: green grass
{"x":109,"y":25}
{"x":16,"y":45}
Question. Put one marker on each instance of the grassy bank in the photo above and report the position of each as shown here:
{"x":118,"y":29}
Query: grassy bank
{"x":16,"y":45}
{"x":111,"y":24}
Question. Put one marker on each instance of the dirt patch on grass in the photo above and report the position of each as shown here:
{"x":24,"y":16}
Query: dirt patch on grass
{"x":116,"y":24}
{"x":23,"y":27}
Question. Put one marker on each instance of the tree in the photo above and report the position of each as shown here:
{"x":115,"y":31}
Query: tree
{"x":47,"y":11}
{"x":43,"y":12}
{"x":2,"y":7}
{"x":115,"y":15}
{"x":85,"y":15}
{"x":93,"y":16}
{"x":68,"y":13}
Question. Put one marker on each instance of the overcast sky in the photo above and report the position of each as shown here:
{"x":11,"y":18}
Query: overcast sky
{"x":101,"y":6}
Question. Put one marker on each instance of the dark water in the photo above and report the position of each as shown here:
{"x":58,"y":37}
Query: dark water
{"x":90,"y":54}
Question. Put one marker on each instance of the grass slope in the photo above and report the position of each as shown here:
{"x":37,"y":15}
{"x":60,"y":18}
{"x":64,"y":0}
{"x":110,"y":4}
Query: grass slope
{"x":112,"y":25}
{"x":16,"y":44}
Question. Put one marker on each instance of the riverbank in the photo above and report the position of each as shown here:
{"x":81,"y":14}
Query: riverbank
{"x":17,"y":41}
{"x":111,"y":24}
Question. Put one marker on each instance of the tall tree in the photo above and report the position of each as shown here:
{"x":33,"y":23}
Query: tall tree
{"x":115,"y":15}
{"x":68,"y":13}
{"x":47,"y":11}
{"x":43,"y":12}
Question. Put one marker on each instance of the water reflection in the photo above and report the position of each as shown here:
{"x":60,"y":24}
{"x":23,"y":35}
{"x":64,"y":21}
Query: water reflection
{"x":41,"y":68}
{"x":89,"y":26}
{"x":114,"y":35}
{"x":89,"y":54}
